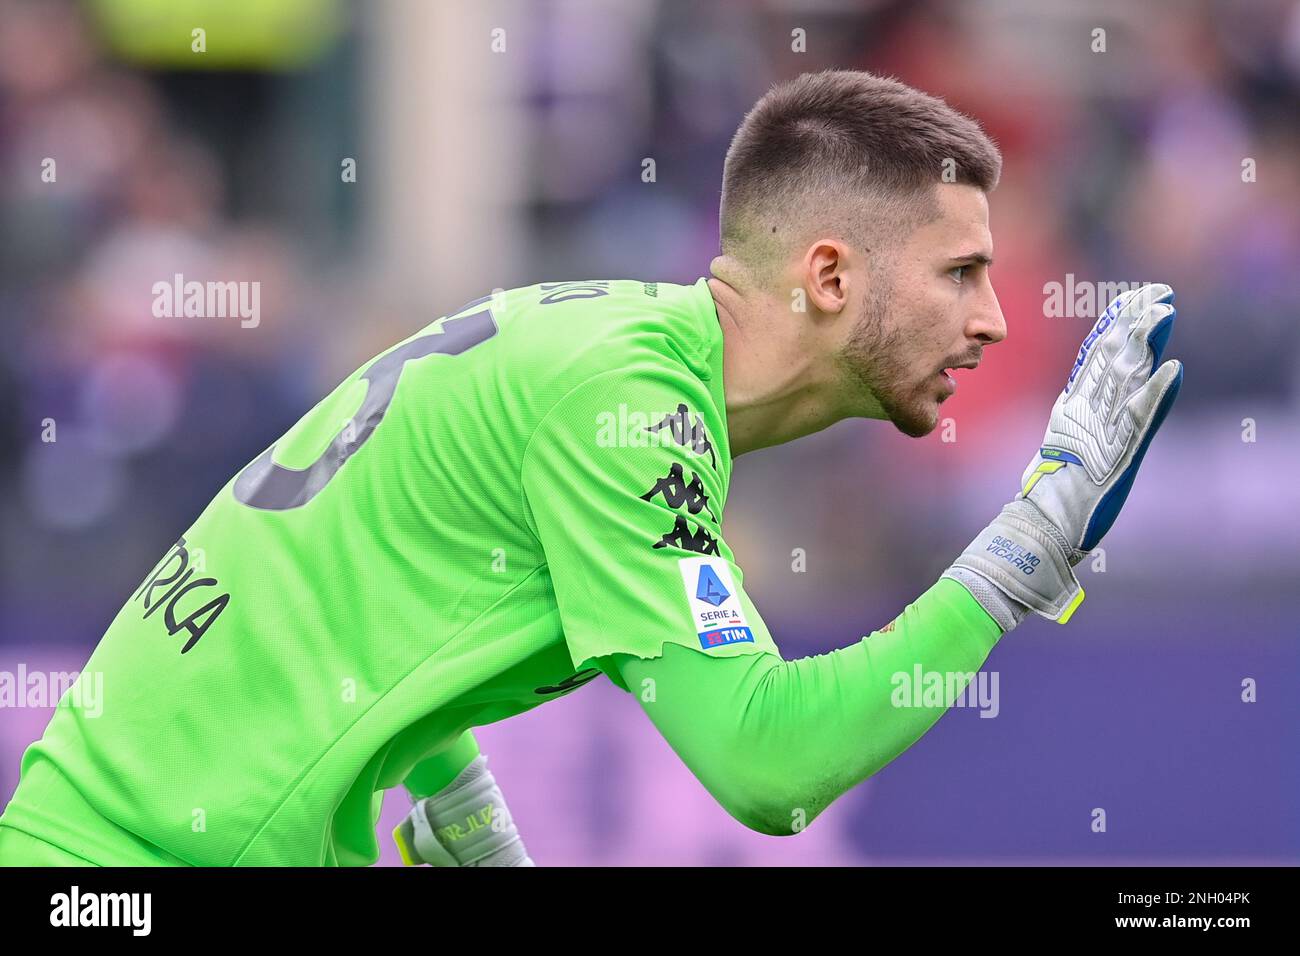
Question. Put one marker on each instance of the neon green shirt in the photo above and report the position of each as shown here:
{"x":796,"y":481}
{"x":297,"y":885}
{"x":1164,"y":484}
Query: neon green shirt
{"x":468,"y":526}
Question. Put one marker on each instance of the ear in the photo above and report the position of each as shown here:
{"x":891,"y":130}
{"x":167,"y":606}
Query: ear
{"x":825,"y":275}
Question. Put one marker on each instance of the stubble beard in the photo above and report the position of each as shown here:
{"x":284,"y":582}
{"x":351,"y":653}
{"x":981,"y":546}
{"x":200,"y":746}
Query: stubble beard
{"x":874,"y":362}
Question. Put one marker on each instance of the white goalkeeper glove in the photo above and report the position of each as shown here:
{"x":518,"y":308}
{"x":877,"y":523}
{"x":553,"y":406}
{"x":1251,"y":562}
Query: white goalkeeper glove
{"x":466,"y":823}
{"x":1073,"y":489}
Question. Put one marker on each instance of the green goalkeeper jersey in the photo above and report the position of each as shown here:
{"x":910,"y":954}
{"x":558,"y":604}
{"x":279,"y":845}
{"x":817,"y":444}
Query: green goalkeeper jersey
{"x":468,"y":526}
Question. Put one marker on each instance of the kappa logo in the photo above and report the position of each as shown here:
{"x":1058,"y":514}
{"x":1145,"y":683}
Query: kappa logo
{"x":677,"y":492}
{"x":699,"y":540}
{"x":687,"y":433}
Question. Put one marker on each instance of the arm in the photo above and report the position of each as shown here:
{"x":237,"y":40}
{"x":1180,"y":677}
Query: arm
{"x":433,"y":773}
{"x":769,"y":738}
{"x":775,"y":741}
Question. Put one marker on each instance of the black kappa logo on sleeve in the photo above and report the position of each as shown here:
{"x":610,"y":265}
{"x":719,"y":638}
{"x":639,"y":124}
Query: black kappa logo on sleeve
{"x":687,"y":433}
{"x":677,"y":492}
{"x":699,"y":541}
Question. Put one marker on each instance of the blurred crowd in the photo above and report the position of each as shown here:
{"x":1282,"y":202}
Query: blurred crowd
{"x":1171,"y":154}
{"x":121,"y":425}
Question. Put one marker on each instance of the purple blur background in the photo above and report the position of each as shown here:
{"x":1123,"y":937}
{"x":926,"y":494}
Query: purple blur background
{"x":495,"y":159}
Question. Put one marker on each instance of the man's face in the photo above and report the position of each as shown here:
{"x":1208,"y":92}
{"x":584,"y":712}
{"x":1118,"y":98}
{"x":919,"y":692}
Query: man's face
{"x":930,"y":307}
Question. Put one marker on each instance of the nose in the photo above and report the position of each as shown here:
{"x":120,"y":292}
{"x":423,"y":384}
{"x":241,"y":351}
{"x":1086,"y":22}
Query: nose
{"x":987,"y":322}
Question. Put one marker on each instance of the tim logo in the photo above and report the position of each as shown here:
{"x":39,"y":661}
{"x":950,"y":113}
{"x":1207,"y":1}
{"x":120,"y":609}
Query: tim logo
{"x":726,"y":635}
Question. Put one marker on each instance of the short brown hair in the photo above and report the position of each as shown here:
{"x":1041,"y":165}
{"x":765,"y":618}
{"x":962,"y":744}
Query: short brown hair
{"x":813,"y":142}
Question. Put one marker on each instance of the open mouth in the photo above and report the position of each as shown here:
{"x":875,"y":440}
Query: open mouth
{"x":947,"y":379}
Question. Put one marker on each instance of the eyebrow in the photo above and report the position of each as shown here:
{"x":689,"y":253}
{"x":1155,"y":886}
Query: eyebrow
{"x":979,"y":257}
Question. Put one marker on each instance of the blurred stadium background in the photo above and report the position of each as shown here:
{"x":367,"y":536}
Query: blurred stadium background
{"x":479,"y":168}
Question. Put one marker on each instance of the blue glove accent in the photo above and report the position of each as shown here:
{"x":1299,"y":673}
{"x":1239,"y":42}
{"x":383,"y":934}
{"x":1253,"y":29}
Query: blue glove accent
{"x":1113,"y":500}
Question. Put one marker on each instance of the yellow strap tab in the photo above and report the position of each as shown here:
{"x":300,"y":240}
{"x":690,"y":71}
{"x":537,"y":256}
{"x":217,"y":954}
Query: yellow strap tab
{"x":408,"y":856}
{"x":1074,"y":605}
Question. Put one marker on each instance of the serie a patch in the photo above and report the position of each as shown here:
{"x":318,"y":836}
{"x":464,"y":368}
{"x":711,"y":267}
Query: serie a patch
{"x":714,"y":602}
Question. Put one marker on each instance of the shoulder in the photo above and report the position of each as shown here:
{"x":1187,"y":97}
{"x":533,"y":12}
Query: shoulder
{"x":622,"y":351}
{"x":572,"y":331}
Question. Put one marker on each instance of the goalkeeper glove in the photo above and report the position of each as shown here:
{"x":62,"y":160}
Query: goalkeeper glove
{"x":464,"y":824}
{"x":1074,"y":487}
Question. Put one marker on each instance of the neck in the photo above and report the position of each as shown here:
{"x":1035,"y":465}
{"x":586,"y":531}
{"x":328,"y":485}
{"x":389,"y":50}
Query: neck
{"x":779,"y":385}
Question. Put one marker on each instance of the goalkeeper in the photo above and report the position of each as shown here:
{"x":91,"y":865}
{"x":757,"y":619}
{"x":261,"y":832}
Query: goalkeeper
{"x":528,"y":493}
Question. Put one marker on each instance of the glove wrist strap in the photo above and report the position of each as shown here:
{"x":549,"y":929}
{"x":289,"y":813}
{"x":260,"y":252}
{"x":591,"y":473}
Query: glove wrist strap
{"x":1005,"y":610}
{"x":467,"y":823}
{"x":1028,"y":559}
